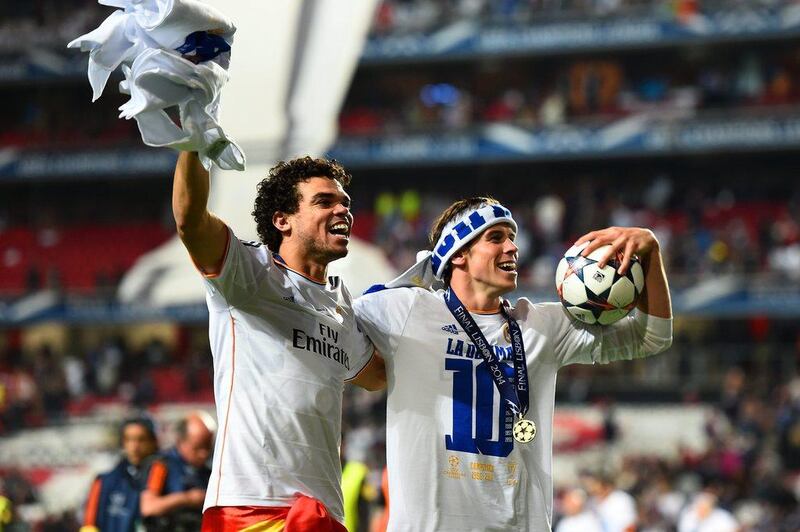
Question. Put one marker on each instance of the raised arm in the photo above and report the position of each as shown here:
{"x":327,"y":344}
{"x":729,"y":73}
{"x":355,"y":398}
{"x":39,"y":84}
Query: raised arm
{"x":204,"y":235}
{"x":629,"y":241}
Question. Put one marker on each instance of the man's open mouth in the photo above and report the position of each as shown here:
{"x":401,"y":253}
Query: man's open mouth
{"x":508,"y":266}
{"x":340,"y":228}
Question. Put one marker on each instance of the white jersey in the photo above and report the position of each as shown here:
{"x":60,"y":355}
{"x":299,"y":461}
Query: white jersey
{"x":283,"y":346}
{"x":617,"y":512}
{"x":718,"y":520}
{"x":582,"y":522}
{"x":452,"y":460}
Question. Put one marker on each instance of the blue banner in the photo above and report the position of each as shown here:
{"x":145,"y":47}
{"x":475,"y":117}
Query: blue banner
{"x":637,"y":135}
{"x":467,"y":38}
{"x":30,"y":165}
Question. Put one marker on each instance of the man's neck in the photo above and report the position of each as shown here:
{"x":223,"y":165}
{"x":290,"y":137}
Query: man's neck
{"x":302,"y":264}
{"x":475,"y":296}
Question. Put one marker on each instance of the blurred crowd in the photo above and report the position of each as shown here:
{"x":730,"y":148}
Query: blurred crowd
{"x":51,"y":24}
{"x":704,"y":231}
{"x":44,"y":385}
{"x":746,"y":479}
{"x":41,"y":117}
{"x":46,"y":23}
{"x":409,"y":16}
{"x":547,"y":93}
{"x":550,"y":92}
{"x":150,"y":486}
{"x":729,"y":220}
{"x":528,"y":92}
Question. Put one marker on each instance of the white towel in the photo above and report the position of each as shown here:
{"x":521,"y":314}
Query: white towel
{"x":159,"y":79}
{"x":142,"y":38}
{"x":420,"y":275}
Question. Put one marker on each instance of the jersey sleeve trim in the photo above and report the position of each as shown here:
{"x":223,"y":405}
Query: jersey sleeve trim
{"x":361,"y":370}
{"x":221,"y":266}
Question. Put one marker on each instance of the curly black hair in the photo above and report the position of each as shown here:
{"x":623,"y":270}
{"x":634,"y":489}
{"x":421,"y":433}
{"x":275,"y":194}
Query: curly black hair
{"x":278,"y":192}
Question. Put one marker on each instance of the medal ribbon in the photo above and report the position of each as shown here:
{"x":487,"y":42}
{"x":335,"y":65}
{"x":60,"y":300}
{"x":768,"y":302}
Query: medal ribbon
{"x":514,"y":390}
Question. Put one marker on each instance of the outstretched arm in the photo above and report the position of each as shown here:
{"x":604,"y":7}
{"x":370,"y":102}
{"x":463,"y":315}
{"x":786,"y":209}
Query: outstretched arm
{"x":629,"y":241}
{"x":204,"y":235}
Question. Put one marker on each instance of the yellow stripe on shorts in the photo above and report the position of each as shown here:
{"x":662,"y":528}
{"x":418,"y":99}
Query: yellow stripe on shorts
{"x":271,"y":525}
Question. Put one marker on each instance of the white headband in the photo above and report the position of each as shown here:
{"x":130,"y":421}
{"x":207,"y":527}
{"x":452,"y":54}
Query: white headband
{"x":429,"y":269}
{"x":461,"y":230}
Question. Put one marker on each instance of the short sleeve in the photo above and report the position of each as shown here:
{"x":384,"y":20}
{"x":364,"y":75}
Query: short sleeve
{"x":572,"y":342}
{"x":243,"y":266}
{"x":363,"y":349}
{"x":383,"y":316}
{"x":157,"y":477}
{"x":92,"y":505}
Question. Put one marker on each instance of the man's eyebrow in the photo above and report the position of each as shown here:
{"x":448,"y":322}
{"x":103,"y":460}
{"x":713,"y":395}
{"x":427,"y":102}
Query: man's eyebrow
{"x":330,"y":196}
{"x":323,"y":195}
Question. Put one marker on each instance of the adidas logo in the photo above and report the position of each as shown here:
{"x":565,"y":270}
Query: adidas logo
{"x":452,"y":329}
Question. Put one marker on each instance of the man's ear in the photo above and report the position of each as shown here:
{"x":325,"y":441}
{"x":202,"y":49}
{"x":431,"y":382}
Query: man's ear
{"x":281,"y":222}
{"x":458,"y":259}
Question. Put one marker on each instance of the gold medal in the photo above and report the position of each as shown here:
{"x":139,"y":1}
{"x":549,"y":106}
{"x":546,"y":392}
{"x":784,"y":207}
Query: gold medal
{"x":524,"y":431}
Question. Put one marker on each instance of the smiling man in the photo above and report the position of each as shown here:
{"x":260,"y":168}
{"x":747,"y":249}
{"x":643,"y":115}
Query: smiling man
{"x":284,"y":340}
{"x":471,"y":378}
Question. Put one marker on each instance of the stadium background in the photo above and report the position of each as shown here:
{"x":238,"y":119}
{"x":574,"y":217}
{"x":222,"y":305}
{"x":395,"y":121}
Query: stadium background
{"x":681,"y":116}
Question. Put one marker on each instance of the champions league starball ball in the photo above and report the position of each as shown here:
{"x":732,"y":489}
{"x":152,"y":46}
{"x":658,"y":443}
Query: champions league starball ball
{"x":597,"y":295}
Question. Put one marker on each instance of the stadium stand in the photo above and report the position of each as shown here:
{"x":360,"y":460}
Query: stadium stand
{"x":678,"y":115}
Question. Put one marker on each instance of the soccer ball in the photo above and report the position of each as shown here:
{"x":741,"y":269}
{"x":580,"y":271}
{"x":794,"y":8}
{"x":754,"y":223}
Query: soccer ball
{"x":597,"y":295}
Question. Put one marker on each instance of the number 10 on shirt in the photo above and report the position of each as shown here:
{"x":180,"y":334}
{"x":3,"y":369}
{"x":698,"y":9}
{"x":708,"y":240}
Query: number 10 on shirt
{"x":473,"y":405}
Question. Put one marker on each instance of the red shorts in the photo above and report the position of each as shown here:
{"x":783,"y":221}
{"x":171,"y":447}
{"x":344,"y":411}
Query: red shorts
{"x":305,"y":515}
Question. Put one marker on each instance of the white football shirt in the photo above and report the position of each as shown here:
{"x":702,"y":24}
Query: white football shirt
{"x":283,"y":345}
{"x":617,"y":511}
{"x":582,"y":522}
{"x":452,"y":461}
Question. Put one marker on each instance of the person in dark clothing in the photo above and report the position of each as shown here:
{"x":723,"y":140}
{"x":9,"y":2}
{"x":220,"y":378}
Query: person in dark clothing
{"x":176,"y":487}
{"x":113,"y":503}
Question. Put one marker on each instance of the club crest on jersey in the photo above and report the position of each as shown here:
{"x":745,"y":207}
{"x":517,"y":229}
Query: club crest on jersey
{"x":452,"y":329}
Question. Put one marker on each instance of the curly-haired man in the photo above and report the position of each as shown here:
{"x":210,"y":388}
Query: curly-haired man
{"x":284,"y":341}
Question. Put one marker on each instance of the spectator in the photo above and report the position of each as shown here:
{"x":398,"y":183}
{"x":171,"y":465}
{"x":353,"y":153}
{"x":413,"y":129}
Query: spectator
{"x":576,"y":517}
{"x":615,"y":508}
{"x":176,"y":487}
{"x":703,"y":515}
{"x":113,"y":503}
